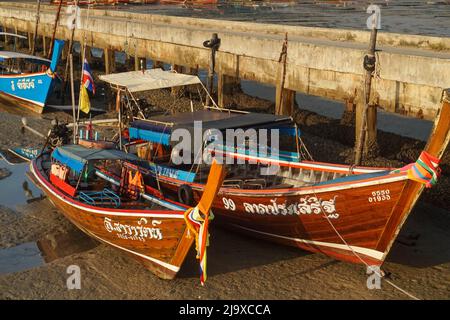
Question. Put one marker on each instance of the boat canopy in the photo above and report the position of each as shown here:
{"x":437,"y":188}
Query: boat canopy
{"x":7,"y":55}
{"x":158,"y":129}
{"x":135,"y":81}
{"x":76,"y":156}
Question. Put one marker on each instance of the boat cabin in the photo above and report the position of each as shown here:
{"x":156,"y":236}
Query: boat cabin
{"x":80,"y":173}
{"x":16,"y":63}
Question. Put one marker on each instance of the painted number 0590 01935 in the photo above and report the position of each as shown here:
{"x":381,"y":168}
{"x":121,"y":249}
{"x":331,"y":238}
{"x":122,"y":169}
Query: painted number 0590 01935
{"x":380,"y":195}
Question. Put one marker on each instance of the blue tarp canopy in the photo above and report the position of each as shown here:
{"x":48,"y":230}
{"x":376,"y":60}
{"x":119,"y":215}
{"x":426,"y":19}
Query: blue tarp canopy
{"x":158,"y":129}
{"x":148,"y":135}
{"x":76,"y":156}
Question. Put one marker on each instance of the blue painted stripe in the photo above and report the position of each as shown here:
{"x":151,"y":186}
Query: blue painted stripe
{"x":172,"y":173}
{"x":151,"y":136}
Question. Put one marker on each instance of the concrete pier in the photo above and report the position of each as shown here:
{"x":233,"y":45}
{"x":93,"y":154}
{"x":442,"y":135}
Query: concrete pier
{"x":411,"y":70}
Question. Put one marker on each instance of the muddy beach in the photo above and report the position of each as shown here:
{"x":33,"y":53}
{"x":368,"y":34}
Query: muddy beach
{"x":40,"y":244}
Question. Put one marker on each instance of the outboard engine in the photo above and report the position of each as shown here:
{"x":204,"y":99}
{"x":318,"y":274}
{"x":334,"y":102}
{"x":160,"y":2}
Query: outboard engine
{"x":59,"y":134}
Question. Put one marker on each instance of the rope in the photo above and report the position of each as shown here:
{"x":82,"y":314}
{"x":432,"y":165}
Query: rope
{"x":359,"y":257}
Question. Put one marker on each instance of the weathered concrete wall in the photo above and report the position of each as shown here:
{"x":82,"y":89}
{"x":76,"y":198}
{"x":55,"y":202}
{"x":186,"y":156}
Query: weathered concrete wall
{"x":411,"y":71}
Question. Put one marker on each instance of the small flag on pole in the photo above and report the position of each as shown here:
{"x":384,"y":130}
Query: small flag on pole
{"x":85,"y":104}
{"x":88,"y":80}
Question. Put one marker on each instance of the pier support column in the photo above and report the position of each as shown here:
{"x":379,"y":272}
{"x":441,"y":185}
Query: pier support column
{"x":179,"y":69}
{"x":6,"y":39}
{"x":87,"y":54}
{"x":110,"y":61}
{"x":17,"y":41}
{"x":157,"y":64}
{"x":30,"y":40}
{"x":44,"y":45}
{"x":192,"y":71}
{"x":225,"y":86}
{"x":348,"y":117}
{"x":284,"y":102}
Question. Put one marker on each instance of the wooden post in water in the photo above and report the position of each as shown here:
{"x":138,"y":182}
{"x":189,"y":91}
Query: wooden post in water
{"x":179,"y":69}
{"x":38,"y":14}
{"x":157,"y":64}
{"x":16,"y":40}
{"x":225,"y":86}
{"x":365,"y":115}
{"x":284,"y":98}
{"x":110,"y":61}
{"x":44,"y":45}
{"x":214,"y":45}
{"x":30,"y":41}
{"x":136,"y":63}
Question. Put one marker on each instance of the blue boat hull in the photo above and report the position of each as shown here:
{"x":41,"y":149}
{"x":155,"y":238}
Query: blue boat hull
{"x":30,"y":91}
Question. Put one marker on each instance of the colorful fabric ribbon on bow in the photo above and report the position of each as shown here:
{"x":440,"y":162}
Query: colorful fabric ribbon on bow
{"x":197,"y":219}
{"x":199,"y":226}
{"x":425,"y":170}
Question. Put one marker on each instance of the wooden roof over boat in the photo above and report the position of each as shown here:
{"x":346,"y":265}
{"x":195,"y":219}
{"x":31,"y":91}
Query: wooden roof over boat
{"x":136,"y":81}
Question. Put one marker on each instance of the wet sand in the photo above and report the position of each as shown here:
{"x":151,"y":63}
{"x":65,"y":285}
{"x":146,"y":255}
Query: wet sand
{"x":239,"y":267}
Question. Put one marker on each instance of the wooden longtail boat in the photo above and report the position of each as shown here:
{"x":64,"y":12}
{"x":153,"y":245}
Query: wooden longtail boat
{"x":31,"y":88}
{"x":350,"y":213}
{"x":152,"y":230}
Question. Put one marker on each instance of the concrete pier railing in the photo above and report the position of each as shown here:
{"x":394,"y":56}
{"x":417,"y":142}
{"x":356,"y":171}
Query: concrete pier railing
{"x":411,"y":71}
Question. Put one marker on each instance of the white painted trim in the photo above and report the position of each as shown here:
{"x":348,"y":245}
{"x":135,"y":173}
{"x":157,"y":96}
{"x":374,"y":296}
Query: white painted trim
{"x":311,"y":189}
{"x":367,"y":252}
{"x":301,"y":164}
{"x":162,"y":263}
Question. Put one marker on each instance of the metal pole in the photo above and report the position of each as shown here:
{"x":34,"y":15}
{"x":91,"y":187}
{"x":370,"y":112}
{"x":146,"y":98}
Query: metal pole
{"x":64,"y":82}
{"x":214,"y":45}
{"x":119,"y":109}
{"x":72,"y":90}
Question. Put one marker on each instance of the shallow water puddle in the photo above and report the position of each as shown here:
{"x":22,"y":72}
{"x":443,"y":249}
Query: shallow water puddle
{"x":22,"y":257}
{"x":17,"y":189}
{"x":47,"y":249}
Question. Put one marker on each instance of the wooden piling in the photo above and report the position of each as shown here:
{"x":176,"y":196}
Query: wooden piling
{"x":179,"y":69}
{"x":281,"y":77}
{"x":17,"y":41}
{"x":109,"y":57}
{"x":44,"y":45}
{"x":38,"y":14}
{"x":30,"y":40}
{"x":225,"y":86}
{"x":363,"y":123}
{"x":157,"y":64}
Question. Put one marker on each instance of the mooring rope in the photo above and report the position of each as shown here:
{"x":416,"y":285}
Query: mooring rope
{"x":359,"y":257}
